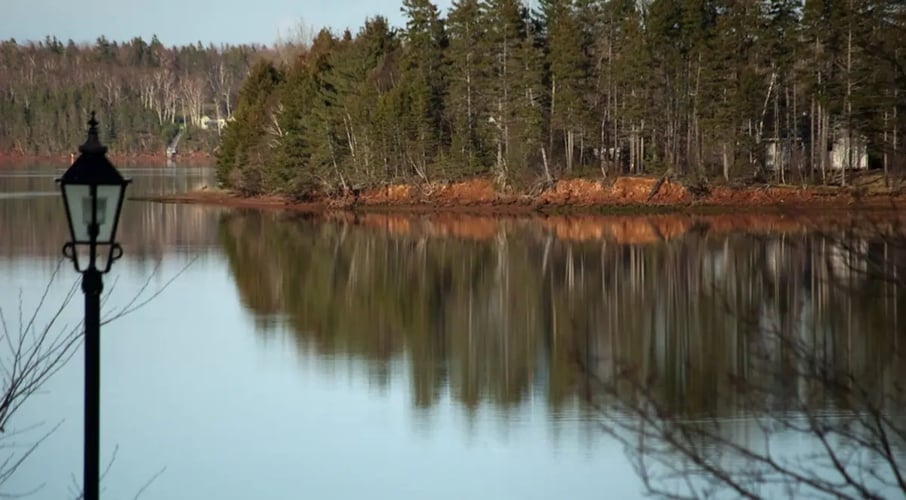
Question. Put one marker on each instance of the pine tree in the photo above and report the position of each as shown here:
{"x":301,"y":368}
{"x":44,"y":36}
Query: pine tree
{"x":424,"y":80}
{"x":706,"y":87}
{"x":779,"y":113}
{"x":513,"y":88}
{"x":669,"y":59}
{"x":352,"y":87}
{"x":310,"y":95}
{"x":466,"y":105}
{"x":729,"y":86}
{"x":569,"y":67}
{"x":292,"y":169}
{"x":624,"y":75}
{"x":241,"y":162}
{"x":529,"y":107}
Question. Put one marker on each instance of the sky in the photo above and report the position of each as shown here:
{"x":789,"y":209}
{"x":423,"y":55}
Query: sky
{"x":179,"y":22}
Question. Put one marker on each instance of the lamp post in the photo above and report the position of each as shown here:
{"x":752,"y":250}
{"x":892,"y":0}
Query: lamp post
{"x":93,"y":192}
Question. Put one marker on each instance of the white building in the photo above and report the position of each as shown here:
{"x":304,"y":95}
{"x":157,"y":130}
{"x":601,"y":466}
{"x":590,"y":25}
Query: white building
{"x":777,"y":152}
{"x":209,"y":123}
{"x":849,"y":151}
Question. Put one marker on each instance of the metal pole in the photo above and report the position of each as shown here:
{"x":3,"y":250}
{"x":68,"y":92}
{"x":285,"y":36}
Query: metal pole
{"x":92,"y":287}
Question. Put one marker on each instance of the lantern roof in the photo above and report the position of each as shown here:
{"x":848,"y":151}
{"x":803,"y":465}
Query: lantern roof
{"x":92,"y":165}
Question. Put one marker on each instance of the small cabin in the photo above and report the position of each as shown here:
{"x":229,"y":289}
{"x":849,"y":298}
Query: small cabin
{"x":846,"y":151}
{"x":208,"y":123}
{"x":849,"y":152}
{"x":777,"y":152}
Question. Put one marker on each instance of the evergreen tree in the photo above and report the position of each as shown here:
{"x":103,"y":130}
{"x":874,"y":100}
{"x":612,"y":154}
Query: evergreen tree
{"x":728,"y":83}
{"x":702,"y":88}
{"x":291,"y":168}
{"x":466,"y":105}
{"x":569,"y":66}
{"x":624,"y":75}
{"x":424,"y":80}
{"x":512,"y":85}
{"x":244,"y":149}
{"x":314,"y":149}
{"x":669,"y":86}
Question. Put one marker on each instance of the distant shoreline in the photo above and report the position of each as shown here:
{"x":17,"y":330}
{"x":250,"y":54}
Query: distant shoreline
{"x":8,"y":160}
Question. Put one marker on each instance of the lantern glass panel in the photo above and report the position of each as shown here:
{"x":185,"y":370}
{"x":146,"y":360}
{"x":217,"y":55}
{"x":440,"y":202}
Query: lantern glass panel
{"x":78,"y":201}
{"x":108,"y":205}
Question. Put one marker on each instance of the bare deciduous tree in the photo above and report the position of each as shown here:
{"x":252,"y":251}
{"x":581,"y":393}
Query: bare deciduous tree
{"x":37,"y":345}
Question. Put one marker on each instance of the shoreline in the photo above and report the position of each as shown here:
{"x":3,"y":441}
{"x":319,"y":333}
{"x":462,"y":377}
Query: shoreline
{"x":621,"y":195}
{"x":621,"y":224}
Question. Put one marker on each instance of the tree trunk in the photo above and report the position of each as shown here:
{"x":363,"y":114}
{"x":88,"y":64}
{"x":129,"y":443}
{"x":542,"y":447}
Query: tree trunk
{"x":849,"y":105}
{"x":795,"y":146}
{"x":726,"y":162}
{"x":823,"y":122}
{"x":469,"y":120}
{"x":642,"y":152}
{"x":896,"y":154}
{"x":632,"y":150}
{"x":886,"y":148}
{"x":551,"y":131}
{"x":602,"y":155}
{"x":779,"y":165}
{"x":812,"y":139}
{"x":547,"y":170}
{"x":570,"y":146}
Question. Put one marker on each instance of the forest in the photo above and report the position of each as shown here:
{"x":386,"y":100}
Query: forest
{"x":144,"y":93}
{"x":786,"y":91}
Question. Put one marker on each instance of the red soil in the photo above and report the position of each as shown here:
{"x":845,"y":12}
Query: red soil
{"x":576,"y":209}
{"x":480,"y":196}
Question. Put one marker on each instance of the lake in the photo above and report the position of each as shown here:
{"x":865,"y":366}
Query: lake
{"x":425,"y":356}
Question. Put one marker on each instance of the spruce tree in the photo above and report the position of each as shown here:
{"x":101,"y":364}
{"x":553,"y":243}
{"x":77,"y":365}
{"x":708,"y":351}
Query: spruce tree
{"x":423,"y":77}
{"x":243,"y":156}
{"x":624,"y":75}
{"x":466,"y":103}
{"x":512,"y":85}
{"x":352,"y":87}
{"x":569,"y":66}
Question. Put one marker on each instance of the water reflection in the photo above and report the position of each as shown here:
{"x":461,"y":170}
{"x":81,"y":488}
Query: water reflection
{"x":32,"y":221}
{"x":446,"y":314}
{"x":496,"y":309}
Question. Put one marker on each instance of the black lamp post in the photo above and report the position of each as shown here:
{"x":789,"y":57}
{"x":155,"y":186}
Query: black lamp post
{"x":93,"y":192}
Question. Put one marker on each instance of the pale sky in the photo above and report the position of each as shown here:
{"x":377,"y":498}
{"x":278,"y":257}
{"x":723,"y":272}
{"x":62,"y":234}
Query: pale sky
{"x":178,"y":22}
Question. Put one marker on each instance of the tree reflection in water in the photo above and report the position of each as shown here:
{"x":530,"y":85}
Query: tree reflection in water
{"x":493,"y":309}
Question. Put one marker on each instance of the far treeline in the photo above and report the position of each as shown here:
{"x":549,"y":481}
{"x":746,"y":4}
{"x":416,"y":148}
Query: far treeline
{"x":782,"y":90}
{"x":143,"y":93}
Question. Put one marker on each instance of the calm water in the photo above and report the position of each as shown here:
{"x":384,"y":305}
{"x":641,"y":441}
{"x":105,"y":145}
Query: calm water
{"x":416,"y":357}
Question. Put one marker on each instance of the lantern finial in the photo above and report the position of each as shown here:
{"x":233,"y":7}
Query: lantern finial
{"x":93,"y":143}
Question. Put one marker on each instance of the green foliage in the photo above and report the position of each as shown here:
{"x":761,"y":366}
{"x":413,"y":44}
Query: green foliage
{"x":465,"y":107}
{"x":141,"y":92}
{"x":694,"y":87}
{"x":245,"y":144}
{"x":568,"y":47}
{"x":423,"y":82}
